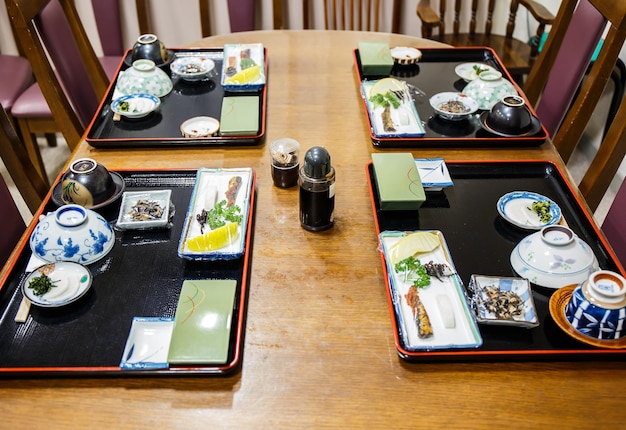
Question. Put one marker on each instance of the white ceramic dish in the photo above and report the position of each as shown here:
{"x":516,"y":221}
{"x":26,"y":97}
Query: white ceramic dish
{"x":433,"y":173}
{"x":467,"y":71}
{"x":135,"y":106}
{"x":210,"y":189}
{"x":405,"y":55}
{"x":199,"y":126}
{"x":439,"y":101}
{"x":463,"y":334}
{"x":71,"y":282}
{"x":481,"y":286}
{"x":148,"y":343}
{"x":553,"y":257}
{"x":516,"y":208}
{"x":404,"y":119}
{"x":235,"y":58}
{"x":131,"y":216}
{"x":193,"y":67}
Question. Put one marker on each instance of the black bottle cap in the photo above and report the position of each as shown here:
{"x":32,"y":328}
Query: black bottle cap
{"x":317,"y":162}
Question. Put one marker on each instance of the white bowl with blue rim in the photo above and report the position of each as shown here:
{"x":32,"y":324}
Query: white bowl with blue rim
{"x":516,"y":208}
{"x":193,"y":67}
{"x":453,"y":106}
{"x":135,"y":106}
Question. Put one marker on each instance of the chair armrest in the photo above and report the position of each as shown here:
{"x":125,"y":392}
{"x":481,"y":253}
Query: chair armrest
{"x":427,"y":14}
{"x":538,"y":11}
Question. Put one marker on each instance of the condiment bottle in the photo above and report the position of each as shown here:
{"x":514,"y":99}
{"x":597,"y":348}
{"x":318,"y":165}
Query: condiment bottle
{"x":317,"y":190}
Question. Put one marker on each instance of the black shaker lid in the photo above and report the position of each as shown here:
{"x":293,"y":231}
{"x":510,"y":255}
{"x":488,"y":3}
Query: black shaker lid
{"x":317,"y":162}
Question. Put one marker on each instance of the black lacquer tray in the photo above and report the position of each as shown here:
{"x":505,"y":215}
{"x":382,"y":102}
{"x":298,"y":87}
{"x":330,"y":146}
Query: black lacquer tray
{"x":141,"y":276}
{"x":433,"y":74}
{"x":186,"y":100}
{"x":480,"y":242}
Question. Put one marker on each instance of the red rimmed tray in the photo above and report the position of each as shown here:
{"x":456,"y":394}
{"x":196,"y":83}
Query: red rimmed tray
{"x":480,"y":242}
{"x":434,"y":73}
{"x":141,"y":276}
{"x":186,"y":100}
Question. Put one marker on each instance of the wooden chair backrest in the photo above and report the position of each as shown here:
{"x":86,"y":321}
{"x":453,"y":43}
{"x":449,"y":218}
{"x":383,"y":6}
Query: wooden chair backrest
{"x":556,"y":58}
{"x":63,"y":60}
{"x":19,"y":166}
{"x":362,"y":15}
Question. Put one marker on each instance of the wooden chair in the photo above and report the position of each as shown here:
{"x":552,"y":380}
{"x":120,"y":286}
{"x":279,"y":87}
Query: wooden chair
{"x":16,"y":76}
{"x":241,"y":15}
{"x":362,"y":15}
{"x":65,"y":65}
{"x":517,"y":55}
{"x":19,"y":166}
{"x":557,"y":74}
{"x":613,"y":225}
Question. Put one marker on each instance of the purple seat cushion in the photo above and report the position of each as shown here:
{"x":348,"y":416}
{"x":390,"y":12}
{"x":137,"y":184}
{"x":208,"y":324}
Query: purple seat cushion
{"x":31,"y":104}
{"x":15,"y":76}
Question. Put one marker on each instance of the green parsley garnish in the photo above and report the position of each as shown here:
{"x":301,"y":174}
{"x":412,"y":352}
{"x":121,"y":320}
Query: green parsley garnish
{"x":384,"y":100}
{"x":479,"y":69}
{"x":41,"y":284}
{"x":219,"y":215}
{"x":413,"y":271}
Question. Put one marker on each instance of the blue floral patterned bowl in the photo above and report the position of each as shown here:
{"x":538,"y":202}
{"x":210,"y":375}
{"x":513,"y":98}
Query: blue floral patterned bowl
{"x":72,"y":233}
{"x":554,"y":257}
{"x":597,"y":307}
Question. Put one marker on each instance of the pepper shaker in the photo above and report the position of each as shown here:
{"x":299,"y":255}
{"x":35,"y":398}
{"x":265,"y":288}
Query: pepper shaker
{"x":317,"y":190}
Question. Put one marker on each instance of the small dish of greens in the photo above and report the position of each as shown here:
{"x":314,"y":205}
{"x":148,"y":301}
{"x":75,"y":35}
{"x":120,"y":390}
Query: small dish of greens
{"x":56,"y":284}
{"x":528,"y":210}
{"x":470,"y":71}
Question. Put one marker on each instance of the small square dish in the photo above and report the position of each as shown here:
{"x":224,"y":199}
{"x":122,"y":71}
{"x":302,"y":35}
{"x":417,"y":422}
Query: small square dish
{"x":503,"y":301}
{"x":244,"y":67}
{"x":217,"y":218}
{"x":144,"y":210}
{"x":434,"y":173}
{"x":148,"y":343}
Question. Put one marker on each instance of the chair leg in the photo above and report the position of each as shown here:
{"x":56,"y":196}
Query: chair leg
{"x":32,"y":148}
{"x":51,"y":139}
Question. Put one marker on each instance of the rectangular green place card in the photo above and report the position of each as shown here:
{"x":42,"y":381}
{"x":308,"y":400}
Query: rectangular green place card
{"x":240,"y":116}
{"x":398,"y":181}
{"x":376,"y":59}
{"x":202,"y":323}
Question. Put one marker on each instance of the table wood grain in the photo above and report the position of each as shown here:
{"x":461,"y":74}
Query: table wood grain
{"x":319,"y":349}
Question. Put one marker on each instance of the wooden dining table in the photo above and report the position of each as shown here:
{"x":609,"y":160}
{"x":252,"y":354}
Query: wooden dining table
{"x":318,"y":349}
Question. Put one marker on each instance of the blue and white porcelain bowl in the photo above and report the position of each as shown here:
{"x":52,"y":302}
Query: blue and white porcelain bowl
{"x":72,"y":233}
{"x":597,"y":307}
{"x":144,"y":78}
{"x":489,"y":89}
{"x":553,"y":258}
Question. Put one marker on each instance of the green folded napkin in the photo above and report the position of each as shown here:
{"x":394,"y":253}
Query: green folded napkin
{"x":240,"y":116}
{"x":202,"y":322}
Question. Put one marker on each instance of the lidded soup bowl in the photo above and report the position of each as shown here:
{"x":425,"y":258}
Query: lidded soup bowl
{"x":144,"y":77}
{"x":489,"y":89}
{"x":149,"y":47}
{"x":553,"y":258}
{"x":510,"y":116}
{"x":87,"y":183}
{"x":72,"y":233}
{"x":597,"y":307}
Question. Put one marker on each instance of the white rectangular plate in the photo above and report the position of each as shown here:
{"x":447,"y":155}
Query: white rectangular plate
{"x":212,"y":184}
{"x":465,"y":332}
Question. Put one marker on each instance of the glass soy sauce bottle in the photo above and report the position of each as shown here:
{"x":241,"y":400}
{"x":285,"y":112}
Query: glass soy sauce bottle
{"x":317,"y":190}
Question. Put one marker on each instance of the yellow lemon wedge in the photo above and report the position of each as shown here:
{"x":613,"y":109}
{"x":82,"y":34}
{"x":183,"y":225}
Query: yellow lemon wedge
{"x":214,"y":239}
{"x":384,"y":85}
{"x":248,"y":75}
{"x":415,"y":243}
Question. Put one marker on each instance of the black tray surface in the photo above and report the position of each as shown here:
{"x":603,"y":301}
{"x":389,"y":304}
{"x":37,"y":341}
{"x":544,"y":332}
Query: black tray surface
{"x":186,"y":100}
{"x":141,"y":276}
{"x":480,"y":242}
{"x":433,"y":74}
